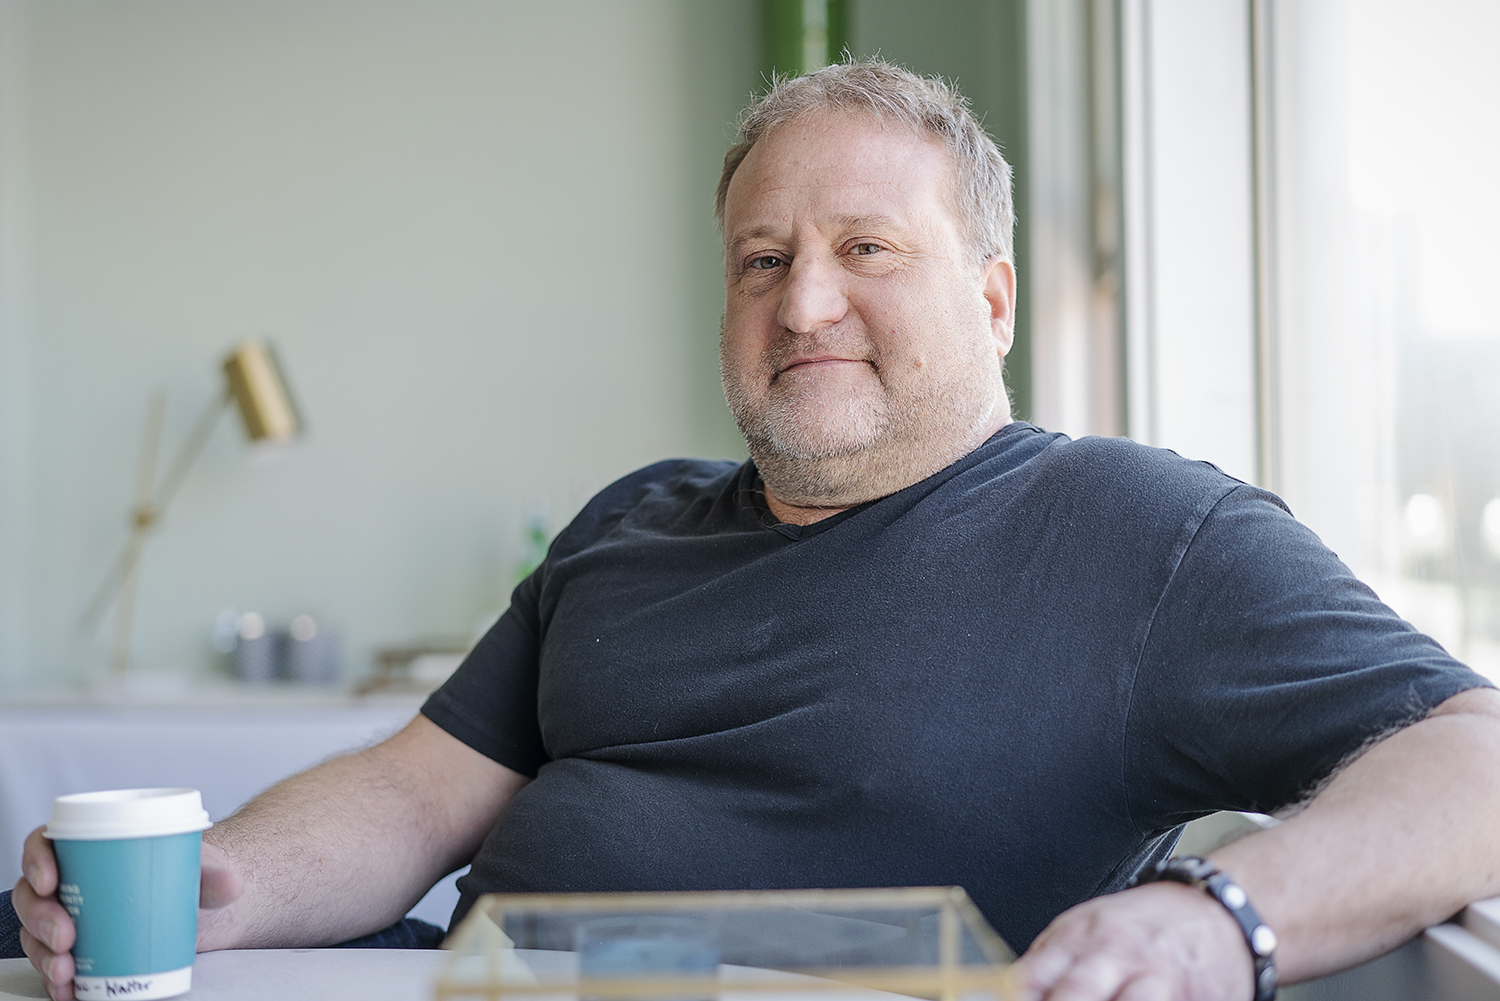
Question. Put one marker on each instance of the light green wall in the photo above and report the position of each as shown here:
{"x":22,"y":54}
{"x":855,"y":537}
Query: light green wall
{"x":478,"y":232}
{"x":979,"y":45}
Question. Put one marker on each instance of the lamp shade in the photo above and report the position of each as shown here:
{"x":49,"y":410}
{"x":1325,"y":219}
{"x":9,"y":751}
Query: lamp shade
{"x":255,"y":382}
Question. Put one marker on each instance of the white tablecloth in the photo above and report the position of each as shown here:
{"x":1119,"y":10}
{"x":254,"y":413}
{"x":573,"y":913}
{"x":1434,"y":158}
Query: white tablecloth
{"x":227,"y":746}
{"x":284,"y":975}
{"x":1432,"y":968}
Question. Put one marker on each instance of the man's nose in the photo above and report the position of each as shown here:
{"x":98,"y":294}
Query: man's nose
{"x":813,"y":296}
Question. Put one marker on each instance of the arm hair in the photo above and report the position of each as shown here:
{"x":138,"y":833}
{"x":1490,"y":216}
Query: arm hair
{"x":348,"y":847}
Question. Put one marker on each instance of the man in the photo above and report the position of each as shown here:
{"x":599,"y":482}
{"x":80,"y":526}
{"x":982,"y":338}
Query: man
{"x":911,"y":642}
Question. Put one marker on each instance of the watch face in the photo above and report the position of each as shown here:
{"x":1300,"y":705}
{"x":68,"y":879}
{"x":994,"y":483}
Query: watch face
{"x":1186,"y":869}
{"x":1197,"y":868}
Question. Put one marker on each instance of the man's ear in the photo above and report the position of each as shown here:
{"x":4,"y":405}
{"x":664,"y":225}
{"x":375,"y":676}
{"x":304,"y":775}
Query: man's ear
{"x":1000,"y":293}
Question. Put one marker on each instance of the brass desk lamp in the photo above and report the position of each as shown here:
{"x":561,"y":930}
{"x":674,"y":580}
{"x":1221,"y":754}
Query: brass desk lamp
{"x":253,"y":381}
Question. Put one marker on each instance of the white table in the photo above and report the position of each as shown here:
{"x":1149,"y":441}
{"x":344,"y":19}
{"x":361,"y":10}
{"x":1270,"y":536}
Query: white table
{"x":284,"y":975}
{"x":229,"y":742}
{"x":1453,"y":962}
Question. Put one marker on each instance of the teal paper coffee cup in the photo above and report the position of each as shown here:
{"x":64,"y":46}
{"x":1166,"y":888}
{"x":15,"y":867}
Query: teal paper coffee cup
{"x":128,"y":864}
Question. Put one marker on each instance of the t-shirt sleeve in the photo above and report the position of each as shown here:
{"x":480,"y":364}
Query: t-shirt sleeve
{"x":1266,"y":664}
{"x":490,"y":702}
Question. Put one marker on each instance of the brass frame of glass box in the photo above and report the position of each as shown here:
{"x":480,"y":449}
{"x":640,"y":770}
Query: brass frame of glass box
{"x":950,"y":978}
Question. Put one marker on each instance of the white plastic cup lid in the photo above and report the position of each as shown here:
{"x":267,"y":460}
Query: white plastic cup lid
{"x":126,"y":813}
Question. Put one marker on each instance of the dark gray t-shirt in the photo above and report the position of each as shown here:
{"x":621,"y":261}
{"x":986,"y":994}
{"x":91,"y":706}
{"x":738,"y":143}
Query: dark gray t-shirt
{"x":1019,"y":676}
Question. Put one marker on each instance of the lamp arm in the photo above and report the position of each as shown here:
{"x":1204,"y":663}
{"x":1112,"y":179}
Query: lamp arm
{"x":145,"y":478}
{"x":108,"y":587}
{"x":151,"y":505}
{"x":188,"y":454}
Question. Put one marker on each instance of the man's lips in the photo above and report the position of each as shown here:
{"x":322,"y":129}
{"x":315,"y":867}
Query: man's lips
{"x":812,"y":362}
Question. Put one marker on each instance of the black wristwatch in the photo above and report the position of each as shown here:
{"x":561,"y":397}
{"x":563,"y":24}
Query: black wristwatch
{"x":1201,"y":873}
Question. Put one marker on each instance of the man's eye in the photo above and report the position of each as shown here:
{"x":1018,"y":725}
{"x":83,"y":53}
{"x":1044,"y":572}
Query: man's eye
{"x":863,"y":249}
{"x":766,"y":262}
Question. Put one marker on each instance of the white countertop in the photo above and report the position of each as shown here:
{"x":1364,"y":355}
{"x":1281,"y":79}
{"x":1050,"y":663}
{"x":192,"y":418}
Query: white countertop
{"x":1451,"y":962}
{"x":283,"y":974}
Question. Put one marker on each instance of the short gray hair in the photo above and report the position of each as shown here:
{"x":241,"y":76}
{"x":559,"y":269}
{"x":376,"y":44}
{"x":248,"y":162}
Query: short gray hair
{"x":927,"y":106}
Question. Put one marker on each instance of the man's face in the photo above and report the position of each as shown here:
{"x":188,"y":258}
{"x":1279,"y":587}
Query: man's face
{"x":859,"y":341}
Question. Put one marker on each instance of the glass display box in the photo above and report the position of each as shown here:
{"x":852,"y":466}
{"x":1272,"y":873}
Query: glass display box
{"x":753,"y":945}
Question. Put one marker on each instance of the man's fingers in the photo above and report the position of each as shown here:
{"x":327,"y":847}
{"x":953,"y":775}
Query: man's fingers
{"x":39,"y":863}
{"x":1055,"y":952}
{"x":47,"y":932}
{"x":220,"y":885}
{"x":1041,"y":969}
{"x":43,"y":917}
{"x":1097,"y":978}
{"x":1146,"y":989}
{"x":1068,"y":978}
{"x":56,"y":968}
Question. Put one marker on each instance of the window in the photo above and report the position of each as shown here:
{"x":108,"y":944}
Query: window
{"x":1386,"y":423}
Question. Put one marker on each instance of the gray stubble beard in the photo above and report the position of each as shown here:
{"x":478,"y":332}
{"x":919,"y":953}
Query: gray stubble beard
{"x":794,"y":451}
{"x":888,"y":447}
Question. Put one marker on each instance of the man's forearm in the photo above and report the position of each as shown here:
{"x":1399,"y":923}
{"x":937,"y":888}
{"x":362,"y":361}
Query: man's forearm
{"x":1401,"y":839}
{"x":349,"y":846}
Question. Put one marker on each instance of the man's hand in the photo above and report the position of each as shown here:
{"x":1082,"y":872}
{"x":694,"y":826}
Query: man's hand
{"x":1160,"y":942}
{"x":47,"y":931}
{"x":336,"y":852}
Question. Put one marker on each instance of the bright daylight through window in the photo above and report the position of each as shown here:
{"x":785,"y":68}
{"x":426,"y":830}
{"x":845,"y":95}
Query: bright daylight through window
{"x":1387,"y":215}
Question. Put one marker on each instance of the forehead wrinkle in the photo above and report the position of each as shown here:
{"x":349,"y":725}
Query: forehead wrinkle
{"x":764,"y":188}
{"x":842,"y":223}
{"x":869,"y":221}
